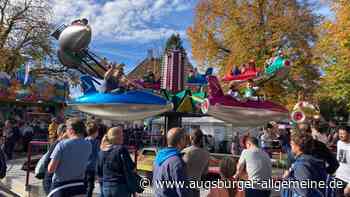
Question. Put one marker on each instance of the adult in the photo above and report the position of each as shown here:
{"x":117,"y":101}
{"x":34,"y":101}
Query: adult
{"x":196,"y":158}
{"x":258,"y":166}
{"x":266,"y":139}
{"x":11,"y":133}
{"x":61,"y":133}
{"x":102,"y":129}
{"x":69,"y":160}
{"x":343,"y":156}
{"x":112,"y":157}
{"x":235,"y":147}
{"x":320,"y":151}
{"x":92,"y":132}
{"x":319,"y":133}
{"x":115,"y":80}
{"x":332,"y":133}
{"x":53,"y":130}
{"x":305,"y":167}
{"x":27,"y":135}
{"x":169,"y":166}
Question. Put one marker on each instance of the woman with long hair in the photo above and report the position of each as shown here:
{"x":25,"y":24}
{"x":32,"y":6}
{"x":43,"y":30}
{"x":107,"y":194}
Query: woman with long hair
{"x":110,"y":169}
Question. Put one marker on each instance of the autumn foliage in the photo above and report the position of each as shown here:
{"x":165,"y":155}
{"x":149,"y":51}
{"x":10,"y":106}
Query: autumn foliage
{"x":333,"y":52}
{"x":231,"y":32}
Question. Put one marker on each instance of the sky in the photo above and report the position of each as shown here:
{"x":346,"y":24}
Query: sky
{"x":124,"y":30}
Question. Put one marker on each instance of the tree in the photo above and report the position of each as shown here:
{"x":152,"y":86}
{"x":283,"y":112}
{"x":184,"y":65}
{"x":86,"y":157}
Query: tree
{"x":174,"y":41}
{"x":24,"y":33}
{"x":333,"y":52}
{"x":231,"y":32}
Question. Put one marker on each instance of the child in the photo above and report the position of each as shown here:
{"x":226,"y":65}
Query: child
{"x":191,"y":77}
{"x":250,"y":91}
{"x":92,"y":132}
{"x":227,"y":170}
{"x":234,"y":91}
{"x":251,"y":66}
{"x":235,"y":71}
{"x":244,"y":68}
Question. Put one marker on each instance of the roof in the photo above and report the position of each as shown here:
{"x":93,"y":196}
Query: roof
{"x":153,"y":64}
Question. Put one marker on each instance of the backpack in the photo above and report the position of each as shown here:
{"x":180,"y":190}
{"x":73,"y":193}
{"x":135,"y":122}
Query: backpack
{"x":40,"y":168}
{"x":3,"y":165}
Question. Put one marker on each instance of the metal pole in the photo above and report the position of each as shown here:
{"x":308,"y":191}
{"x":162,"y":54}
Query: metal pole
{"x":29,"y":156}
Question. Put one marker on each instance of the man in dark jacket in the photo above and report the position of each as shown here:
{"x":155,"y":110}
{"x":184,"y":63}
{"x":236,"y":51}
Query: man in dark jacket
{"x":320,"y":151}
{"x":169,"y":168}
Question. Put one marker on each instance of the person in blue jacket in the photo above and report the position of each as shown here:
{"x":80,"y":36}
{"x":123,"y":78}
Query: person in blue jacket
{"x":305,"y":167}
{"x":169,"y":166}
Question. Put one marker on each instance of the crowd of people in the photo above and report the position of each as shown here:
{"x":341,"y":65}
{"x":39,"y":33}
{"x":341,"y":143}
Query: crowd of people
{"x":16,"y":134}
{"x":82,"y":151}
{"x":309,"y":159}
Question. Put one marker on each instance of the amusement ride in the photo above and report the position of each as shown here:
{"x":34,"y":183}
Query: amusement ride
{"x":168,"y":96}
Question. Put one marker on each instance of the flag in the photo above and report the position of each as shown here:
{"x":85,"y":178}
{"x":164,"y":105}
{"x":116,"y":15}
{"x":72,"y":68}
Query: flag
{"x":26,"y":76}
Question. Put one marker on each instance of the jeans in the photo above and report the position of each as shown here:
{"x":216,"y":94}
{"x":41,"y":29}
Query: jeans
{"x":111,"y":189}
{"x":257,"y":193}
{"x":90,"y":182}
{"x":47,"y":182}
{"x":290,"y":157}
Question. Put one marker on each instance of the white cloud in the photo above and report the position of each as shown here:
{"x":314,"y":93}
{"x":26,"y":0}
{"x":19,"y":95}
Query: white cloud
{"x":122,"y":20}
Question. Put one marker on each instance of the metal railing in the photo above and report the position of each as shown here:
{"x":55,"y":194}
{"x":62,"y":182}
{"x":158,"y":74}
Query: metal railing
{"x":29,"y":155}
